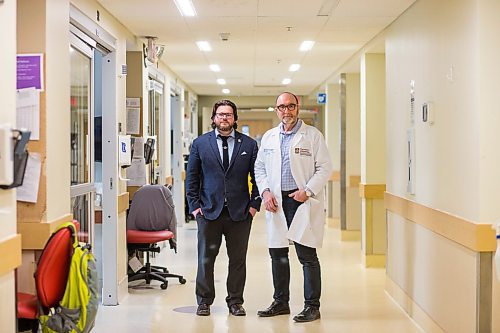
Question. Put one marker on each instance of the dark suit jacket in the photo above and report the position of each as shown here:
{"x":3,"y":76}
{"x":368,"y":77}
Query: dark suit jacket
{"x":206,"y":181}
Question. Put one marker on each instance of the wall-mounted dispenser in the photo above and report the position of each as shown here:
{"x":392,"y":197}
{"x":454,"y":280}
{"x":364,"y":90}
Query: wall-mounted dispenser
{"x":124,"y":151}
{"x":13,"y":156}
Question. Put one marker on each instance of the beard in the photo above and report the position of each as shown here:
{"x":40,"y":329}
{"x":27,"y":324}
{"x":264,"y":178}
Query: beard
{"x":289,"y":120}
{"x":224,"y":127}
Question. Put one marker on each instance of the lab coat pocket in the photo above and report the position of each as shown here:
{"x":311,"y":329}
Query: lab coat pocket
{"x":302,"y":229}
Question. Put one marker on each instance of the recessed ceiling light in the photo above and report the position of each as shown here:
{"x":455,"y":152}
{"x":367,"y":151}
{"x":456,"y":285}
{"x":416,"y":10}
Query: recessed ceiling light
{"x":185,"y":7}
{"x":270,"y":109}
{"x":203,"y":45}
{"x":214,"y":68}
{"x":286,"y":81}
{"x":306,"y":45}
{"x":221,"y":81}
{"x":294,"y":67}
{"x":226,"y":91}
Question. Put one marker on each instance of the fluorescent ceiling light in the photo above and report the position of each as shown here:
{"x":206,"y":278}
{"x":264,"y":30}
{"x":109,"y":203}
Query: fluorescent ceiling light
{"x":294,"y":67}
{"x":203,"y":45}
{"x":215,"y":68}
{"x":185,"y":7}
{"x":221,"y":81}
{"x":226,"y":91}
{"x":306,"y":45}
{"x":286,"y":81}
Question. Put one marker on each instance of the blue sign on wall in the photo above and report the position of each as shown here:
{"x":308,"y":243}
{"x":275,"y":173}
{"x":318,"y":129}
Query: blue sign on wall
{"x":321,"y":98}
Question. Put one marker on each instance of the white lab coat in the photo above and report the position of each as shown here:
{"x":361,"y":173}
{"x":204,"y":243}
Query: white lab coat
{"x":311,"y":167}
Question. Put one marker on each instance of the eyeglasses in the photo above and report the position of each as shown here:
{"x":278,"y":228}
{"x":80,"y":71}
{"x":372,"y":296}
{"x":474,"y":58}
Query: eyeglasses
{"x":289,"y":107}
{"x":224,"y":115}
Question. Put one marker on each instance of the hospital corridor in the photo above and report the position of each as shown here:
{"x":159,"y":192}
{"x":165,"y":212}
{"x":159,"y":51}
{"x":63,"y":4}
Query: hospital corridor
{"x":349,"y":146}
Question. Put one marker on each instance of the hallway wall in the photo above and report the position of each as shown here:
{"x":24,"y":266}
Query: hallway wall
{"x":454,"y":156}
{"x":7,"y":197}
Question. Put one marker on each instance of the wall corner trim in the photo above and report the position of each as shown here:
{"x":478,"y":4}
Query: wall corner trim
{"x":12,"y":246}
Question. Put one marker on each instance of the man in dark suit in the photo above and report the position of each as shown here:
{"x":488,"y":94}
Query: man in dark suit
{"x":218,"y":195}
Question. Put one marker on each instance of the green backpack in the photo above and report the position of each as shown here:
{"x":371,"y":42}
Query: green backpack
{"x":77,"y":310}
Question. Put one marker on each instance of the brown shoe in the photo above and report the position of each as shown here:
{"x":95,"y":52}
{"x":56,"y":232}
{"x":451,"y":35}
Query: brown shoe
{"x":237,"y":310}
{"x":275,"y":309}
{"x":203,"y":310}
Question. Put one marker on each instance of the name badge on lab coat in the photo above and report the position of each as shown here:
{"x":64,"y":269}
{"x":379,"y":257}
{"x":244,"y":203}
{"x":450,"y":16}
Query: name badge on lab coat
{"x":303,"y":151}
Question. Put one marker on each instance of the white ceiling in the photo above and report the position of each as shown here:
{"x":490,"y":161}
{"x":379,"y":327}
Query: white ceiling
{"x":264,"y":40}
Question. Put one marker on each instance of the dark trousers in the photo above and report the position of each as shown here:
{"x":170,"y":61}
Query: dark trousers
{"x":210,"y":234}
{"x":307,"y":257}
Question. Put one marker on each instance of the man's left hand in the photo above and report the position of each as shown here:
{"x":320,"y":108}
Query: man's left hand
{"x":299,"y":195}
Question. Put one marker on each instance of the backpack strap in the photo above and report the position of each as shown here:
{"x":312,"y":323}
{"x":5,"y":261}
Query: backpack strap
{"x":71,"y":226}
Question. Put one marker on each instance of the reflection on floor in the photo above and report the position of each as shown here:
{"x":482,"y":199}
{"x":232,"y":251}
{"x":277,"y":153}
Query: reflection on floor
{"x":353,"y":298}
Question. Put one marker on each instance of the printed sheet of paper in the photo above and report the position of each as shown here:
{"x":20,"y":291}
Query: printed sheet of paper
{"x":28,"y":111}
{"x":138,"y":148}
{"x":28,"y":192}
{"x":133,"y":121}
{"x":133,"y":106}
{"x":136,"y":173}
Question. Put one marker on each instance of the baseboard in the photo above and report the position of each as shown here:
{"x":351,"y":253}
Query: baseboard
{"x":373,"y":260}
{"x":414,"y":311}
{"x":350,"y":235}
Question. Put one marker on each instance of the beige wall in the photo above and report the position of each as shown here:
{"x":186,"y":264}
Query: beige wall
{"x":457,"y":159}
{"x":353,"y":134}
{"x":353,"y":150}
{"x":437,"y":274}
{"x":332,"y":121}
{"x":7,"y":115}
{"x":57,"y":99}
{"x":372,"y":118}
{"x":428,"y":54}
{"x":489,"y":72}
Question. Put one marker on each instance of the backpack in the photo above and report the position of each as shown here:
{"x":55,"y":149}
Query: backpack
{"x":77,"y":310}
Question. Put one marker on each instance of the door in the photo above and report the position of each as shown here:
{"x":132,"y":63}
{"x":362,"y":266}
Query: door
{"x":155,"y":130}
{"x":177,"y":119}
{"x":82,"y":188}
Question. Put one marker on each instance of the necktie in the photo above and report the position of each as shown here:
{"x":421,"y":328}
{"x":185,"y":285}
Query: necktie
{"x":225,"y":152}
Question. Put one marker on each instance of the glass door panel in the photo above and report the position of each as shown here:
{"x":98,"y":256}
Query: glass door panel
{"x":82,"y":137}
{"x":155,"y":119}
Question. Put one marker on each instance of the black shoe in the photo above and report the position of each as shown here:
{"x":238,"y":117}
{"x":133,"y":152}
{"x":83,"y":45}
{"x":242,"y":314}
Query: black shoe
{"x":308,"y":314}
{"x":275,"y":309}
{"x":203,"y":310}
{"x":237,"y":310}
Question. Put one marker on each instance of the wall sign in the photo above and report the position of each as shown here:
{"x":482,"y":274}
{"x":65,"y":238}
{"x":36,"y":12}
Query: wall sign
{"x":30,"y":71}
{"x":321,"y":98}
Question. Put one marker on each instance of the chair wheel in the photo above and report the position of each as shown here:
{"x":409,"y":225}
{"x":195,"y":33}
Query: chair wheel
{"x":182,"y":280}
{"x":164,"y":285}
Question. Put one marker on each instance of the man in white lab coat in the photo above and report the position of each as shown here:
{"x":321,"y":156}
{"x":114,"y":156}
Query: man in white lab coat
{"x":292,"y":167}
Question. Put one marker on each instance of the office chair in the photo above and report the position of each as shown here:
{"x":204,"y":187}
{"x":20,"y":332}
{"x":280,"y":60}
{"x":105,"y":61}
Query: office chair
{"x":50,"y":280}
{"x":151,"y":219}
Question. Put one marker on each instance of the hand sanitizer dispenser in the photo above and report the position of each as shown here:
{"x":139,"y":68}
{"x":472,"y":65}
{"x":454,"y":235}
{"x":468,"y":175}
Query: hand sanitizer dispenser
{"x":125,"y":151}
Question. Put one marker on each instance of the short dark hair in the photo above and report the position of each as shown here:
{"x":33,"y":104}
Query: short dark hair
{"x":287,"y":92}
{"x":229,"y":103}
